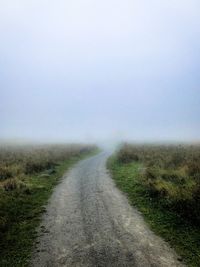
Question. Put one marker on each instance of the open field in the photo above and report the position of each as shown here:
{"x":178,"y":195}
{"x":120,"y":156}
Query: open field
{"x":110,"y":232}
{"x":163,"y":182}
{"x":28,"y":175}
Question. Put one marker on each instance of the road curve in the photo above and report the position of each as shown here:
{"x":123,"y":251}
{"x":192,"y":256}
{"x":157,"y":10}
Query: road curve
{"x":89,"y":223}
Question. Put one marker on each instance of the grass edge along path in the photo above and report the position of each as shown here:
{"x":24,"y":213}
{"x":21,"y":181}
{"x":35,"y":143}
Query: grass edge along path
{"x":180,"y":234}
{"x":25,"y":210}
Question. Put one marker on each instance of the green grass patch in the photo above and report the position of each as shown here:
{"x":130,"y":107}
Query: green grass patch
{"x":182,"y":235}
{"x":21,"y":209}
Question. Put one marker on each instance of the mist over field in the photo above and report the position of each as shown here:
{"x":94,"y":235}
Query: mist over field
{"x":99,"y":133}
{"x":99,"y":71}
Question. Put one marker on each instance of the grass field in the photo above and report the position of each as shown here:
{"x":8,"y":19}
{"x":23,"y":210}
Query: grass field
{"x":163,"y":182}
{"x":28,"y":175}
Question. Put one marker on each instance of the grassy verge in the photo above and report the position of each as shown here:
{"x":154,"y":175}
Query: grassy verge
{"x":21,"y":211}
{"x":180,"y":233}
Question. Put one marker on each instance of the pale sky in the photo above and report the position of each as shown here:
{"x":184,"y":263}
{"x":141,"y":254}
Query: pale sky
{"x":100,"y":70}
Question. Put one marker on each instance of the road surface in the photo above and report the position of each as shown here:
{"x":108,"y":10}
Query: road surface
{"x":89,"y":223}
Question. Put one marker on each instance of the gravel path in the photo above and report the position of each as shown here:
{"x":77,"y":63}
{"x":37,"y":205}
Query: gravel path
{"x":89,"y":222}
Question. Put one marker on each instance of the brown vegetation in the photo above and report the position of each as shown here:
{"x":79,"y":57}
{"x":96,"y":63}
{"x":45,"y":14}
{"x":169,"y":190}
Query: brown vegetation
{"x":28,"y":175}
{"x":16,"y":162}
{"x":171,"y":175}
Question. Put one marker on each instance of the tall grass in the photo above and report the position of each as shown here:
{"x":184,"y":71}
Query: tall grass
{"x":16,"y":160}
{"x":28,"y":175}
{"x":170,"y":174}
{"x":163,"y":182}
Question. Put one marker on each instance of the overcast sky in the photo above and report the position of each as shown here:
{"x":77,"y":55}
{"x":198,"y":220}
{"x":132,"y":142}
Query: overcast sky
{"x":95,"y":70}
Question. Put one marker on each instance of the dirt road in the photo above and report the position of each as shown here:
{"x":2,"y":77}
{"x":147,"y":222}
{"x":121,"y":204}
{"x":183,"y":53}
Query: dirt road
{"x":89,"y":222}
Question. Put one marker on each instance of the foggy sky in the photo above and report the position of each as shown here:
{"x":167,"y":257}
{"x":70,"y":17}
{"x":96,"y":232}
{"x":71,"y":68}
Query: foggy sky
{"x":99,"y":70}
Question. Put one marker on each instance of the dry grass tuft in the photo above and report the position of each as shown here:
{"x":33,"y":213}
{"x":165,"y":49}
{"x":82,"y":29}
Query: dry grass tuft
{"x":171,"y":175}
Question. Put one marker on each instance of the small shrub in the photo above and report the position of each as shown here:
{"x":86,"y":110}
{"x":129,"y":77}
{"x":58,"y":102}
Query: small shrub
{"x":125,"y":155}
{"x":9,"y":184}
{"x":194,"y":169}
{"x":5,"y":172}
{"x":3,"y":223}
{"x":33,"y":167}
